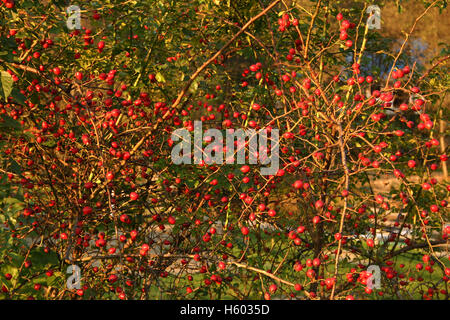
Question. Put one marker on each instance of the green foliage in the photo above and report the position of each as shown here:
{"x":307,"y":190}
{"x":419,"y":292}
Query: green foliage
{"x":60,"y":137}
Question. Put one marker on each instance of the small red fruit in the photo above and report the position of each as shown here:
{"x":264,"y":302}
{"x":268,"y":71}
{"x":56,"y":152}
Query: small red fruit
{"x":134,"y":196}
{"x":245,"y":169}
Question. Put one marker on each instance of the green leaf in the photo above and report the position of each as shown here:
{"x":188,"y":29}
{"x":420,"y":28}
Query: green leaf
{"x":13,"y":270}
{"x":194,"y":86}
{"x":43,"y":259}
{"x":18,"y":96}
{"x":6,"y":84}
{"x":14,"y":166}
{"x":9,"y":122}
{"x":49,"y":143}
{"x":160,"y":77}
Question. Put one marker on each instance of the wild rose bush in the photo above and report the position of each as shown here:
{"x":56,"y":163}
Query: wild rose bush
{"x":88,"y":178}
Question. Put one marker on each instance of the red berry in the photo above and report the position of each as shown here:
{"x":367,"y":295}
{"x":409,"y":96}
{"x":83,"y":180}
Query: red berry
{"x":134,"y":196}
{"x":110,"y":176}
{"x":298,"y":184}
{"x":245,"y":169}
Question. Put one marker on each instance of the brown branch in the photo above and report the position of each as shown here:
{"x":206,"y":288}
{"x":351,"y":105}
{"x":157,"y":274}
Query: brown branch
{"x":341,"y":224}
{"x":433,"y":67}
{"x":406,"y":40}
{"x":415,"y":246}
{"x":201,"y":68}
